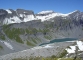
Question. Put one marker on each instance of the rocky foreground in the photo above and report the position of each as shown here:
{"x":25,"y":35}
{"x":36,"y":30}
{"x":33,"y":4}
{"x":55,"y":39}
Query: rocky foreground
{"x":44,"y":51}
{"x":58,"y":49}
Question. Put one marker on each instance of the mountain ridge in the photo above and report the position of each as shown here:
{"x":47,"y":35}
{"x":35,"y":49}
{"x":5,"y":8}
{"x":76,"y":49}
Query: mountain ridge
{"x":20,"y":15}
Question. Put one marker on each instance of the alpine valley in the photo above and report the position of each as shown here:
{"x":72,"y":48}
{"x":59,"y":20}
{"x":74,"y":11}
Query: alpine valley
{"x":24,"y":33}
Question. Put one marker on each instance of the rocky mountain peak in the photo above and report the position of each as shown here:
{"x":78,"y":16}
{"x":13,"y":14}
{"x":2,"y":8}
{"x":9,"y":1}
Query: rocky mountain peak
{"x":10,"y":16}
{"x":74,"y":12}
{"x":3,"y":12}
{"x":22,"y":11}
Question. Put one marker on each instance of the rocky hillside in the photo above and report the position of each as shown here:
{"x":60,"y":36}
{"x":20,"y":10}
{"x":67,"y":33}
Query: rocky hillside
{"x":55,"y":50}
{"x":23,"y":29}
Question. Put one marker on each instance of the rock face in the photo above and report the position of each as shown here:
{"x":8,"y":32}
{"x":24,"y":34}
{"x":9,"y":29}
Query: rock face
{"x":11,"y":16}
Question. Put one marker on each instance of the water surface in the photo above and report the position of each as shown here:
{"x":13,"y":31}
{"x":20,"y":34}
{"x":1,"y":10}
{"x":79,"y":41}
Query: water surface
{"x":59,"y":40}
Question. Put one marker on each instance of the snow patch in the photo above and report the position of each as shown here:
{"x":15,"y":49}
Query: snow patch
{"x":25,"y":12}
{"x":10,"y":20}
{"x":45,"y":12}
{"x":16,"y":19}
{"x":71,"y":49}
{"x":38,"y":47}
{"x":8,"y":45}
{"x":21,"y":15}
{"x":80,"y":45}
{"x":41,"y":47}
{"x":9,"y":11}
{"x":52,"y":15}
{"x":70,"y":41}
{"x":72,"y":12}
{"x":48,"y":46}
{"x":28,"y":18}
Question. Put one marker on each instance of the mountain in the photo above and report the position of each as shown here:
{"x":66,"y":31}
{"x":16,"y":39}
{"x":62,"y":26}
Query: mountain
{"x":23,"y":29}
{"x":10,"y":16}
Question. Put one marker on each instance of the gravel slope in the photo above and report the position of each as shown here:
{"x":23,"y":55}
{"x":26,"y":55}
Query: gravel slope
{"x":45,"y":50}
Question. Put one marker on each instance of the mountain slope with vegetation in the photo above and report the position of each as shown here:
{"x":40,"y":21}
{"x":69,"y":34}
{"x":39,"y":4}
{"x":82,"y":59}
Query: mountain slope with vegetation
{"x":20,"y":31}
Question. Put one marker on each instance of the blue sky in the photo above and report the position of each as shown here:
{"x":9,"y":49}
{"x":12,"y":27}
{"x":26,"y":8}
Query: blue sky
{"x":62,"y":6}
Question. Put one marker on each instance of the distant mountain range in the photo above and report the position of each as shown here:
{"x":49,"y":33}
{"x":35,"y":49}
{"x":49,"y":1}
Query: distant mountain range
{"x":20,"y":15}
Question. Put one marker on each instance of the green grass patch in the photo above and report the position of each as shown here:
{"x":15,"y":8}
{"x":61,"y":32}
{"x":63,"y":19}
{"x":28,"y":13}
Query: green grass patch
{"x":70,"y":59}
{"x":38,"y":39}
{"x":33,"y":39}
{"x":18,"y":39}
{"x":35,"y":31}
{"x":13,"y":33}
{"x":63,"y":53}
{"x":29,"y":43}
{"x":31,"y":31}
{"x":2,"y":37}
{"x":1,"y":47}
{"x":43,"y":58}
{"x":36,"y":58}
{"x":48,"y":37}
{"x":19,"y":59}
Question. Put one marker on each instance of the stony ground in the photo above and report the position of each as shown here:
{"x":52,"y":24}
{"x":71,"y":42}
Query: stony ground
{"x":45,"y":50}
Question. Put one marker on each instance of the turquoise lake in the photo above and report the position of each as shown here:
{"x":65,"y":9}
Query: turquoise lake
{"x":59,"y":40}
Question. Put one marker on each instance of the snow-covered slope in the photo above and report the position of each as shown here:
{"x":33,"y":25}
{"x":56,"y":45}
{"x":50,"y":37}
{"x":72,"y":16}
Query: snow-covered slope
{"x":51,"y":14}
{"x":9,"y":16}
{"x":46,"y":12}
{"x":72,"y":49}
{"x":8,"y":45}
{"x":10,"y":20}
{"x":8,"y":11}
